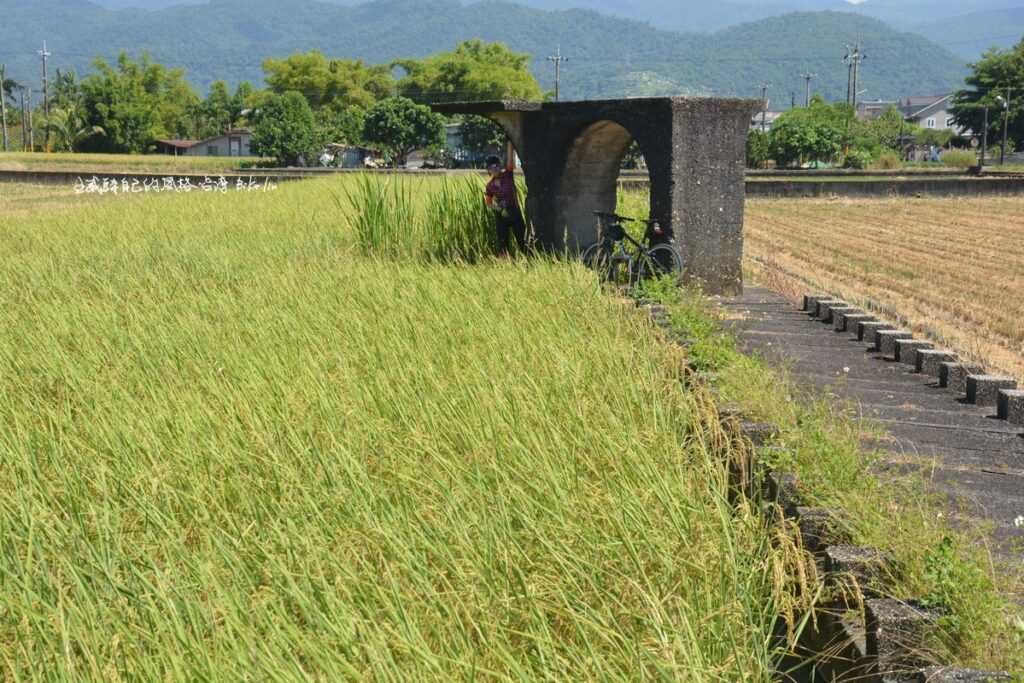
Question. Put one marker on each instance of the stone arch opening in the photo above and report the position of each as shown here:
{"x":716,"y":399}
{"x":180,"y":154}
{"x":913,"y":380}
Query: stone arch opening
{"x":589,"y":180}
{"x":694,"y":149}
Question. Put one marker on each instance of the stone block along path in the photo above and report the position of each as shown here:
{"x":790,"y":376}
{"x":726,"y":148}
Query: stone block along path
{"x":963,"y":449}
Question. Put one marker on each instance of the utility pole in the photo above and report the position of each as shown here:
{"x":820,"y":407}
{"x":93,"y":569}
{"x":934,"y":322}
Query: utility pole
{"x":984,"y":142}
{"x":24,"y":117}
{"x":764,"y":106}
{"x":1006,"y":125}
{"x":807,"y":87}
{"x":31,"y":124}
{"x":557,"y":59}
{"x":854,"y":56}
{"x":46,"y":98}
{"x":3,"y":104}
{"x":792,"y":99}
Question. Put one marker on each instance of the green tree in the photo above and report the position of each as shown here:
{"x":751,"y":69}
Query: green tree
{"x":480,"y":135}
{"x":475,"y":71}
{"x":342,"y":127}
{"x":220,"y":111}
{"x":68,"y":129}
{"x":135,"y":103}
{"x":816,"y":133}
{"x":401,"y":126}
{"x":996,"y":71}
{"x":758,"y":149}
{"x":239,"y":103}
{"x":337,"y":83}
{"x":66,"y":91}
{"x":7,"y":88}
{"x":888,"y":128}
{"x":285,"y":129}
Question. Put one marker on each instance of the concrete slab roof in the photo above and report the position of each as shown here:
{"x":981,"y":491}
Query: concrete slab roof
{"x":491,"y":107}
{"x":512,"y":106}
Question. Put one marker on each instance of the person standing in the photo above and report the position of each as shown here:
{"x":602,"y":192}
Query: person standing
{"x":502,"y":198}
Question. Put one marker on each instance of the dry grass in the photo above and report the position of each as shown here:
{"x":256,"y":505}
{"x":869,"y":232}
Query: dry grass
{"x":950,"y":268}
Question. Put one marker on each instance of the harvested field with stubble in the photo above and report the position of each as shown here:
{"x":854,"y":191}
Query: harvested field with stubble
{"x":952,"y":268}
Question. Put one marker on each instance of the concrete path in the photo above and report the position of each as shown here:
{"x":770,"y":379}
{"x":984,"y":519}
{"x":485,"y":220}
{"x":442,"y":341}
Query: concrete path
{"x":962,"y":448}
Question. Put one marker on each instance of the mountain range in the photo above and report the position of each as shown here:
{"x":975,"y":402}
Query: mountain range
{"x":702,"y":16}
{"x":608,"y":55}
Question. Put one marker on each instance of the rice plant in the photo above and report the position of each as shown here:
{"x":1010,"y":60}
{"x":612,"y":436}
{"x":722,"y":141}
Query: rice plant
{"x":233,"y":447}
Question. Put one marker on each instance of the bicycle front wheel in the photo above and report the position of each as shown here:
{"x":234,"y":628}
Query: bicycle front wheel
{"x":659,"y":261}
{"x":598,"y":257}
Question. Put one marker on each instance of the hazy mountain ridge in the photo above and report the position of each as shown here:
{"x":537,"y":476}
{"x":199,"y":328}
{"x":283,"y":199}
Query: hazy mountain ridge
{"x":702,"y":16}
{"x":972,"y":34}
{"x":609,"y":56}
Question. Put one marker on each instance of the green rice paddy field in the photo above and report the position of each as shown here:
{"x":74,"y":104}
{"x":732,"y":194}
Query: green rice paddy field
{"x":320,"y":433}
{"x":244,"y":437}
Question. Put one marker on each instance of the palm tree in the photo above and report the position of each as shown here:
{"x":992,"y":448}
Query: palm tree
{"x":68,"y":130}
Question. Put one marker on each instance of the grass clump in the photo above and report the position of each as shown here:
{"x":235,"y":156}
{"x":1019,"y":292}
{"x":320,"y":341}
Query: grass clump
{"x":443,"y":220}
{"x":232,"y":446}
{"x":959,"y":159}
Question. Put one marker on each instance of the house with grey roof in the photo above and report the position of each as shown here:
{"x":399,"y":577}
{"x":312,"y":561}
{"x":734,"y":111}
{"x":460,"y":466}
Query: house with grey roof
{"x":933,"y":113}
{"x":232,"y":143}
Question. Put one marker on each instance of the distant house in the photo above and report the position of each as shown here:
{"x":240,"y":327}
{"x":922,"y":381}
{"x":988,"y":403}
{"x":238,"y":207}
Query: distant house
{"x":234,"y":143}
{"x":769,"y":118}
{"x":462,"y":156}
{"x":934,"y":113}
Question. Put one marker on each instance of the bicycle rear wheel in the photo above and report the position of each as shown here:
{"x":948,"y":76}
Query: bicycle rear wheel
{"x":659,"y":261}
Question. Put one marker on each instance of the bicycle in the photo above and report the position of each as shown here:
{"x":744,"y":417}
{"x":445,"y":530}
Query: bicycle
{"x":614,"y":261}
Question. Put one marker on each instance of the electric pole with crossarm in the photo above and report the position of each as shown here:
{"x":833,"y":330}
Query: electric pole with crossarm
{"x":854,"y":57}
{"x":807,"y":87}
{"x":764,"y":106}
{"x":557,"y":59}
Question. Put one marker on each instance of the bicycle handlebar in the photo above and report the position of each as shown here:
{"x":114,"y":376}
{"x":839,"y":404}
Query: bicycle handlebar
{"x":615,"y":216}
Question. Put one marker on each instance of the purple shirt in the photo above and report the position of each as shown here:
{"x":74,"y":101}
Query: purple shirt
{"x":503,"y":190}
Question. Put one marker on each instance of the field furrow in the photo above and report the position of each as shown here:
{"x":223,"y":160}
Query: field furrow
{"x":953,"y":268}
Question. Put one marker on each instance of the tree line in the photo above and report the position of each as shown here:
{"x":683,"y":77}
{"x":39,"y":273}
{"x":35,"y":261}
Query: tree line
{"x":310,"y":100}
{"x":830,"y":133}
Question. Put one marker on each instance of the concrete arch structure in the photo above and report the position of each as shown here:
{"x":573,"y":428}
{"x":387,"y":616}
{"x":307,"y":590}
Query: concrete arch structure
{"x":695,"y":153}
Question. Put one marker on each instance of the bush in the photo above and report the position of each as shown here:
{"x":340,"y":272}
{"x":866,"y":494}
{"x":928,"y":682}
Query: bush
{"x":888,"y":161}
{"x":859,"y":159}
{"x":960,"y":158}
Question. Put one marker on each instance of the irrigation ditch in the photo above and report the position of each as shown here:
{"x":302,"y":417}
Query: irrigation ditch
{"x":856,"y":632}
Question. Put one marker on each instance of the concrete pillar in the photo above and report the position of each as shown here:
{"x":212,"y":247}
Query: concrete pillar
{"x":708,"y":164}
